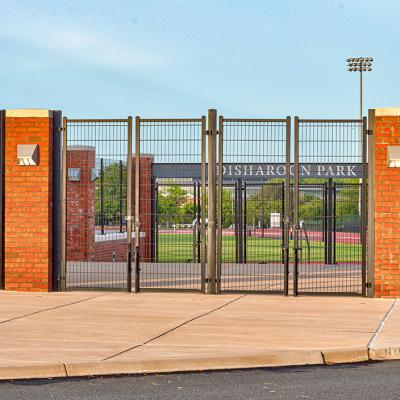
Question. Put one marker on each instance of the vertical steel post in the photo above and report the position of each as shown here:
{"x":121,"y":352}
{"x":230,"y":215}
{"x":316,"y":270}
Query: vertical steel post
{"x":63,"y":274}
{"x":334,"y":222}
{"x":244,"y":223}
{"x":211,"y":254}
{"x":240,"y":218}
{"x":156,"y":222}
{"x":236,"y":219}
{"x":194,"y":227}
{"x":371,"y":206}
{"x":220,"y":197}
{"x":296,"y":206}
{"x":364,"y":215}
{"x":287,"y":209}
{"x":137,"y":204}
{"x":329,"y":222}
{"x":102,"y":195}
{"x":203,"y":202}
{"x":129,"y":206}
{"x":198,"y":219}
{"x":262,"y":211}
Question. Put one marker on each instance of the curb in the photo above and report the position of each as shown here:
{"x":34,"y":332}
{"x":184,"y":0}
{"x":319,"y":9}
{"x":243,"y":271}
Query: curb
{"x":341,"y":356}
{"x":278,"y":358}
{"x":385,"y":353}
{"x":33,"y":372}
{"x":270,"y":359}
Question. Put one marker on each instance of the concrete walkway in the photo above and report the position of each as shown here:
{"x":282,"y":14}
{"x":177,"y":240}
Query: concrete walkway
{"x":92,"y":333}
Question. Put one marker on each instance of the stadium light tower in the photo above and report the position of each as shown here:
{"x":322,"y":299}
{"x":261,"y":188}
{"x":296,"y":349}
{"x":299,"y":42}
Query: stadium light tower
{"x":360,"y":64}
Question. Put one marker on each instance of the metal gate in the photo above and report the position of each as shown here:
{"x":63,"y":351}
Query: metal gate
{"x":170,"y":212}
{"x":97,"y":204}
{"x":335,"y":263}
{"x":174,"y":204}
{"x":259,"y":261}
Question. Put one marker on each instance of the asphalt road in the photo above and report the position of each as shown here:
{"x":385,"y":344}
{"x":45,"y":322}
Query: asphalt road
{"x":347,"y":382}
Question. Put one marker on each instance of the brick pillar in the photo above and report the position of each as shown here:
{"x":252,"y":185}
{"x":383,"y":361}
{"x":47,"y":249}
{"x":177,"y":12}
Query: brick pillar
{"x":386,"y":202}
{"x":145,"y":203}
{"x":81,"y":196}
{"x":28,"y":203}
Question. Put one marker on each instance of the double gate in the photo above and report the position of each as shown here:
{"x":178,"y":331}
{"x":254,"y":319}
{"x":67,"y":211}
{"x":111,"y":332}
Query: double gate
{"x":215,"y":205}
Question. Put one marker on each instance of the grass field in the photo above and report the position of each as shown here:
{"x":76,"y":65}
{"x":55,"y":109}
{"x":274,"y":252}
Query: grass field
{"x":179,"y":248}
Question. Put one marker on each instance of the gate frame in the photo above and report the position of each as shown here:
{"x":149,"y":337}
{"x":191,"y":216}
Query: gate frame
{"x":62,"y":279}
{"x":203,"y":244}
{"x":286,"y":186}
{"x":363,"y":211}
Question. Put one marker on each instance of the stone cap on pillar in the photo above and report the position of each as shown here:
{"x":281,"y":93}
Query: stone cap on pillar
{"x":81,"y":148}
{"x":144,"y":155}
{"x":387,"y":112}
{"x":29,"y":113}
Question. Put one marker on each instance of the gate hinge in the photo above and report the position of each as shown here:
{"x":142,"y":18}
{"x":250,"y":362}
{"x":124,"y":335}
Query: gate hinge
{"x":369,"y":132}
{"x":368,"y":285}
{"x":210,"y":133}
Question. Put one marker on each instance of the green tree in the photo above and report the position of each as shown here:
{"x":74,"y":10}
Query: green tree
{"x":170,"y":205}
{"x":112,"y":212}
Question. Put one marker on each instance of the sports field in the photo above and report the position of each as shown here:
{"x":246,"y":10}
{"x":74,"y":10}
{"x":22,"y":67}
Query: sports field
{"x":178,"y":247}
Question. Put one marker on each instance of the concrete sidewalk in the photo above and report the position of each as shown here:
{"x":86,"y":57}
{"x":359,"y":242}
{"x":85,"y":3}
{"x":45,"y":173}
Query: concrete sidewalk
{"x":96,"y":333}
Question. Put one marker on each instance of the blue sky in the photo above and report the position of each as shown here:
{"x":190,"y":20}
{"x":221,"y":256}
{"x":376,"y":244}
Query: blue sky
{"x":178,"y":58}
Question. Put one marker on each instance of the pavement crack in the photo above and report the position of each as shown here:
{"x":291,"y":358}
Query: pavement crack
{"x":51,"y":308}
{"x":175,"y":328}
{"x":381,"y":324}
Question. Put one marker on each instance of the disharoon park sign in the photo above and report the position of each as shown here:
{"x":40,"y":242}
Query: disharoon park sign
{"x":232,"y":171}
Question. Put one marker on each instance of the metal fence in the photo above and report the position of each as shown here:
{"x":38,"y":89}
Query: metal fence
{"x":96,"y":187}
{"x":259,"y":261}
{"x":235,"y":206}
{"x":171,"y":211}
{"x":331,"y":142}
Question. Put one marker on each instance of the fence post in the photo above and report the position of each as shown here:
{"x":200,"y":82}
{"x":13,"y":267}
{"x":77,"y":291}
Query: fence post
{"x":329,"y":220}
{"x":203,"y":248}
{"x":220,"y":194}
{"x":212,"y":236}
{"x":129,"y":206}
{"x":63,"y":272}
{"x":137,"y":204}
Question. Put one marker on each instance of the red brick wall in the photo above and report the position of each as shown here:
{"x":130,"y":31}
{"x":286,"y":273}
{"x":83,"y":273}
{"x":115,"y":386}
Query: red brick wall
{"x":81,"y":205}
{"x":145,"y":203}
{"x":106,"y":250}
{"x":81,"y":244}
{"x":387,"y":209}
{"x":28,"y":207}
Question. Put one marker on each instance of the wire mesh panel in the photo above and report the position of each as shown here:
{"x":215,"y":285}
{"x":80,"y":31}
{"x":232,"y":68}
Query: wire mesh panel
{"x":330,"y":208}
{"x":170,"y":208}
{"x":255,"y":172}
{"x":96,"y":203}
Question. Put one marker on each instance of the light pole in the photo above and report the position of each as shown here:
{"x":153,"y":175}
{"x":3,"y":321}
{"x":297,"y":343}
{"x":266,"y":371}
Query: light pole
{"x":360,"y":64}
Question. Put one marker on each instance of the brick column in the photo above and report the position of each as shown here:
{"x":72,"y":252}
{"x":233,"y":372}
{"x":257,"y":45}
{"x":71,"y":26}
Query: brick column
{"x":28,"y":203}
{"x":385,"y":190}
{"x":81,"y":197}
